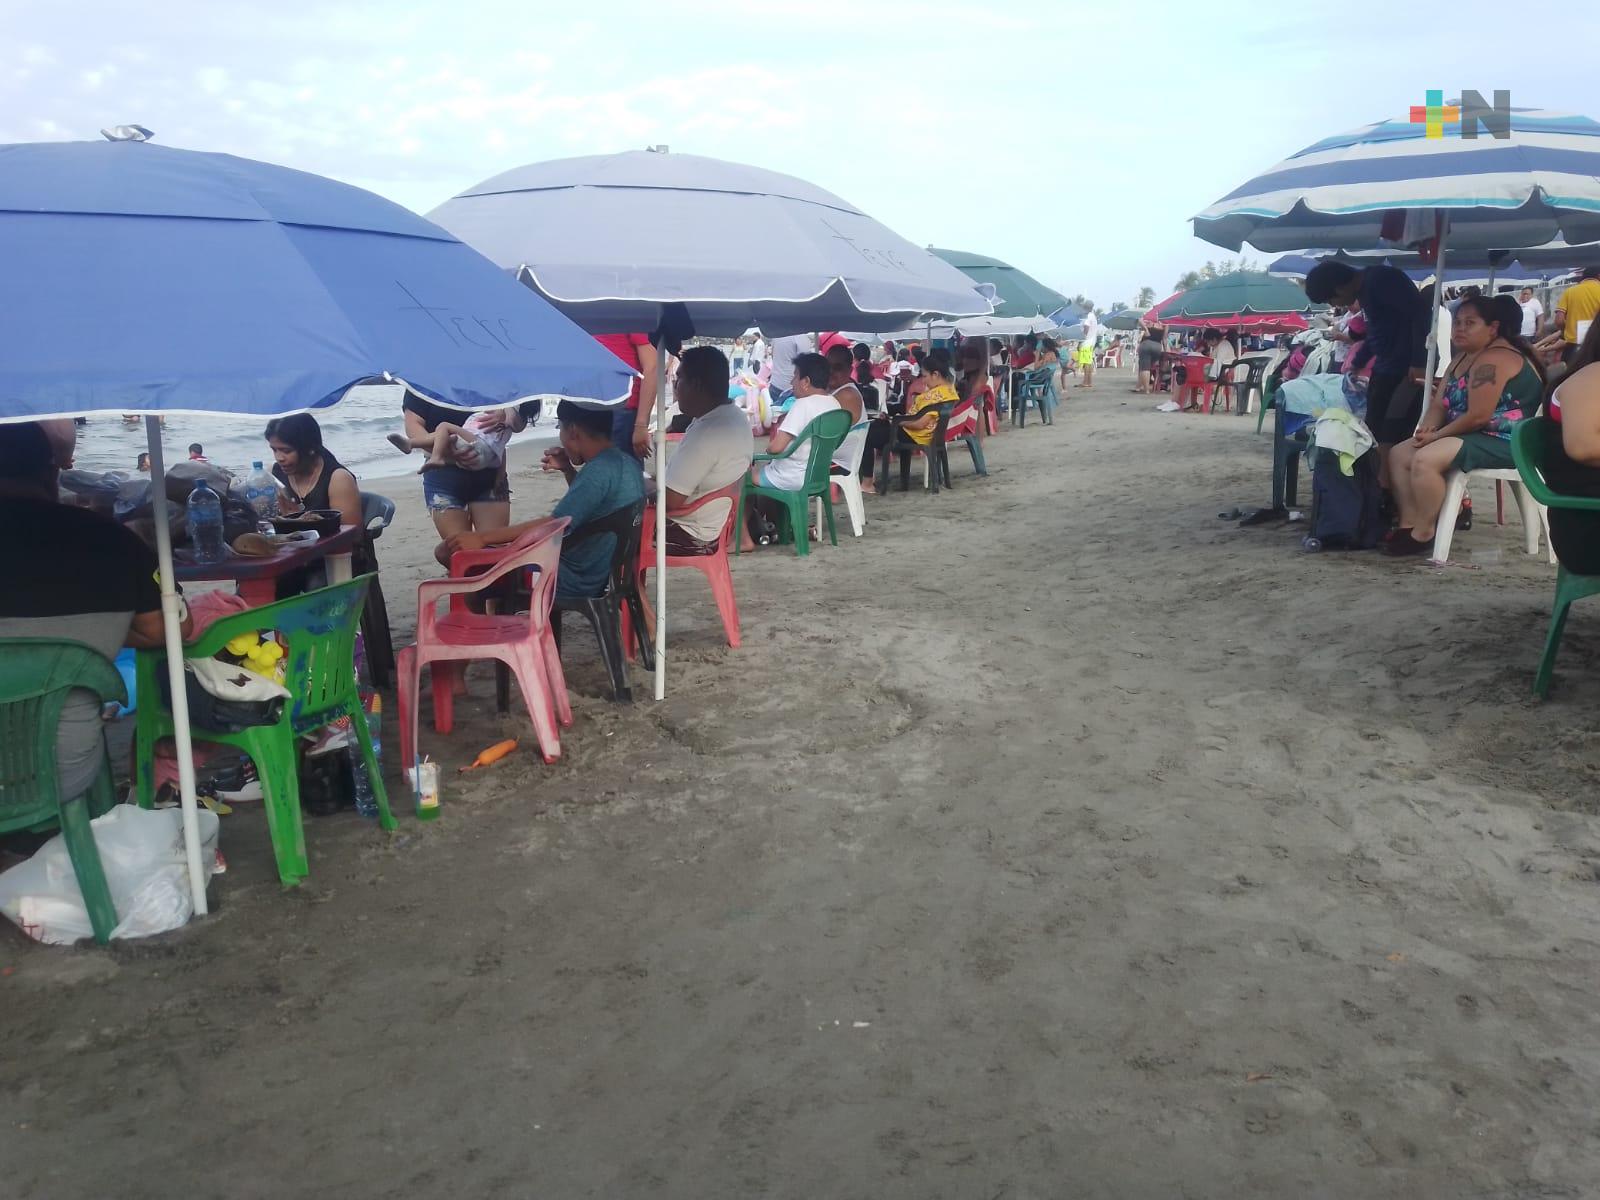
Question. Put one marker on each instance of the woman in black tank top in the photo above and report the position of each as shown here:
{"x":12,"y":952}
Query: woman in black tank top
{"x":308,"y":471}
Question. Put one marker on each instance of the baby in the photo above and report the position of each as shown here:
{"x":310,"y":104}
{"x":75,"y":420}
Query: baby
{"x":475,"y":446}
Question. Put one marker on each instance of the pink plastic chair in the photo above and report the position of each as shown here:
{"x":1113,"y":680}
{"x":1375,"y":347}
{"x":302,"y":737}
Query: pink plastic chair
{"x":713,"y":566}
{"x":525,"y":643}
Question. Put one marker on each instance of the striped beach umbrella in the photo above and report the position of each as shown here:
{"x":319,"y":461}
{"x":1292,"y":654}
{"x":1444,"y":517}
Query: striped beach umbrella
{"x":1539,"y":182}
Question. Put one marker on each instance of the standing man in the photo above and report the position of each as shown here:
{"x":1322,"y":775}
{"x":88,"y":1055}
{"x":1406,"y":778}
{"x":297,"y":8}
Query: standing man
{"x":1578,"y":306}
{"x":630,"y":424}
{"x":780,"y":385}
{"x":1532,"y":313}
{"x":1396,"y":344}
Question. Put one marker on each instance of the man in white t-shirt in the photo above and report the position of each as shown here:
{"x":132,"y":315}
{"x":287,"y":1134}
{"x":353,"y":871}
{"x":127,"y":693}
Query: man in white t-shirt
{"x":1532,"y":313}
{"x":715,"y":452}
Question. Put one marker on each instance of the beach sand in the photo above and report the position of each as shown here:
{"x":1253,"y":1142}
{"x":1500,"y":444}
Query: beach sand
{"x":1053,"y":839}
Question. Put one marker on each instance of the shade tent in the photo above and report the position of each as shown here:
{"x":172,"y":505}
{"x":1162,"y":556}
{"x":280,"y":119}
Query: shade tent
{"x":612,"y":240}
{"x":151,"y":280}
{"x":1017,"y":294}
{"x":1537,"y":184}
{"x":647,"y":240}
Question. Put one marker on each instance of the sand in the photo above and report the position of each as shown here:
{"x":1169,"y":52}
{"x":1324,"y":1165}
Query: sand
{"x":1053,"y":839}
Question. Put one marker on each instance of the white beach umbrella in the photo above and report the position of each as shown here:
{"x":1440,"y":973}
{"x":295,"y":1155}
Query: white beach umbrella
{"x":627,"y":243}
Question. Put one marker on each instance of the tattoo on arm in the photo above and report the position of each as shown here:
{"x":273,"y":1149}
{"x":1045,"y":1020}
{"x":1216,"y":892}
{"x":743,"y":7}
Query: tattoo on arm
{"x":1482,"y":373}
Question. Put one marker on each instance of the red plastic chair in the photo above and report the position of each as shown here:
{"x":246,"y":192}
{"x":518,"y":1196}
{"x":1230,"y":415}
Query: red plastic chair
{"x":1196,"y":379}
{"x":713,"y":566}
{"x":525,"y":642}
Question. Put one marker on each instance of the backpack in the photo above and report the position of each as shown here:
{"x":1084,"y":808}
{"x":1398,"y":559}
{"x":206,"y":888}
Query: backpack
{"x":1344,"y":508}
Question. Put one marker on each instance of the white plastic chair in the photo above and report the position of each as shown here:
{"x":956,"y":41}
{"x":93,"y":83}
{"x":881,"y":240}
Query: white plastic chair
{"x":1535,"y":520}
{"x":849,"y":486}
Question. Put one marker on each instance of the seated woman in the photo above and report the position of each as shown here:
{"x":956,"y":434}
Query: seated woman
{"x":1494,"y":381}
{"x":311,"y":476}
{"x":917,"y":427}
{"x":1573,"y":463}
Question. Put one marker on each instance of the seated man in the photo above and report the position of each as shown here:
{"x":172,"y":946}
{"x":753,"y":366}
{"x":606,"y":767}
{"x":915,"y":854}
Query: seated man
{"x":811,"y":399}
{"x":600,"y":480}
{"x":716,"y":451}
{"x":74,"y":574}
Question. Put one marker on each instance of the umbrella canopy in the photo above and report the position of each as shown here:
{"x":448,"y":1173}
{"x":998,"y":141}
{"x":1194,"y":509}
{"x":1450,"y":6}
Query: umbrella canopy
{"x":613,"y":239}
{"x":973,"y":327}
{"x":1017,"y":294}
{"x":1541,"y":182}
{"x":1126,"y":319}
{"x":1238,"y":294}
{"x":1468,"y":267}
{"x":148,"y":279}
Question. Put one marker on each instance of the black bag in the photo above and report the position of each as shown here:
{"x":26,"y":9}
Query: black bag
{"x":1344,"y":508}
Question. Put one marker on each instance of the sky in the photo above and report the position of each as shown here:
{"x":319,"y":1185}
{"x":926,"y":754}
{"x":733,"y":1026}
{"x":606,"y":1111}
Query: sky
{"x":1071,"y":140}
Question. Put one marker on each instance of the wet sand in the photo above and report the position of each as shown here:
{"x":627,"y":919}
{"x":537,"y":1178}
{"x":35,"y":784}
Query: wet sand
{"x":1054,"y":838}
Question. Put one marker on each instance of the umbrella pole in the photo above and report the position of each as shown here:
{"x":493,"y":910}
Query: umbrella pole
{"x":661,"y":522}
{"x":1434,"y":348}
{"x":173,"y":633}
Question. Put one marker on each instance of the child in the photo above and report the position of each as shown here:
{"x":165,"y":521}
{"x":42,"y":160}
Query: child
{"x":475,"y":446}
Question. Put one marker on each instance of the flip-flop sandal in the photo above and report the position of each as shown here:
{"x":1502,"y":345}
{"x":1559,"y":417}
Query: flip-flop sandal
{"x":1265,"y":516}
{"x":1233,"y":514}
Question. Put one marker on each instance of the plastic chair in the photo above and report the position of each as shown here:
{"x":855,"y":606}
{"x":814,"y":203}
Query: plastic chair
{"x":848,"y":485}
{"x":1196,"y":380}
{"x":935,"y":456}
{"x":713,"y":566}
{"x":524,"y":641}
{"x":960,"y":429}
{"x":604,"y":611}
{"x":1032,"y":385}
{"x":1530,"y":441}
{"x":377,"y":512}
{"x":825,"y":433}
{"x":1534,"y":519}
{"x":318,"y":630}
{"x":1269,"y":396}
{"x":1255,"y":370}
{"x":36,"y":677}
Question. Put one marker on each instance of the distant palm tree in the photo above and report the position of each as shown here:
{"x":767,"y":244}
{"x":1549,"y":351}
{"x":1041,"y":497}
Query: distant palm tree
{"x":1147,"y":297}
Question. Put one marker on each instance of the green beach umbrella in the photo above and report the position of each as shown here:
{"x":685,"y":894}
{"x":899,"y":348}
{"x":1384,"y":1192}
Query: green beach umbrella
{"x":1238,"y":294}
{"x":1017,"y":294}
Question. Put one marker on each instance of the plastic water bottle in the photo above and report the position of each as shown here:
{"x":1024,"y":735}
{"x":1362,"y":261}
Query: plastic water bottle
{"x":261,"y":492}
{"x":205,"y":525}
{"x":366,"y":798}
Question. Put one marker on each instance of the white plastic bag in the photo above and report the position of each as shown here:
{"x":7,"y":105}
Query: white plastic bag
{"x":141,"y":852}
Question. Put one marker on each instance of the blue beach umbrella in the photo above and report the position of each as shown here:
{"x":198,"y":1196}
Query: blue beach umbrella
{"x":144,"y":279}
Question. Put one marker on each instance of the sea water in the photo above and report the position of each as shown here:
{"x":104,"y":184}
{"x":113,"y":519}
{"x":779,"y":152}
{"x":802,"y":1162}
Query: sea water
{"x":354,"y":429}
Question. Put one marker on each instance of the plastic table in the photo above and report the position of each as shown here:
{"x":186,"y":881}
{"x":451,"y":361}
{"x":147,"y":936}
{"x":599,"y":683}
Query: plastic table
{"x":257,"y":578}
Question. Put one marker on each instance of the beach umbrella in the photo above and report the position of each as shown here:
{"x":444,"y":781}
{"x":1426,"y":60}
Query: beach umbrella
{"x":612,"y":240}
{"x":146,"y":279}
{"x":1409,"y":180}
{"x":639,"y":241}
{"x":1126,"y":319}
{"x":1238,"y":294}
{"x":1016,"y":293}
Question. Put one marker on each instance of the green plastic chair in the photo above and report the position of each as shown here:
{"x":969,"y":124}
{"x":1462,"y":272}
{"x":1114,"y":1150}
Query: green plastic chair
{"x":319,"y":630}
{"x":827,"y":431}
{"x":1530,"y":443}
{"x":36,"y":674}
{"x":1269,"y":397}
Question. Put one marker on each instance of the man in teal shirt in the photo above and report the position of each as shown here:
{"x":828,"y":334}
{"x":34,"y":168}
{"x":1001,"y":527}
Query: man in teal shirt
{"x":600,"y":479}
